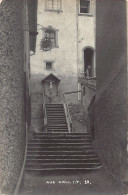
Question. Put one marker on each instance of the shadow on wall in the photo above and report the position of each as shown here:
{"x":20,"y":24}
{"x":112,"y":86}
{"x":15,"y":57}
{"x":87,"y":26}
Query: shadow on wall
{"x":107,"y":122}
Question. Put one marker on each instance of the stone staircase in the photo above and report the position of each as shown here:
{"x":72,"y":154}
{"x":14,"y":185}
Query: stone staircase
{"x":56,"y":120}
{"x":57,"y":149}
{"x":61,"y":151}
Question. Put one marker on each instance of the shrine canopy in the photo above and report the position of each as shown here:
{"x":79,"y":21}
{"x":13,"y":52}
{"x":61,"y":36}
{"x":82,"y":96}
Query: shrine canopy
{"x":51,"y":77}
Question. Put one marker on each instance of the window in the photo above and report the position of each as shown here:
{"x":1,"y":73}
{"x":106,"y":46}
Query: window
{"x":51,"y":34}
{"x":53,"y":5}
{"x":48,"y":65}
{"x":50,"y":39}
{"x":84,"y":6}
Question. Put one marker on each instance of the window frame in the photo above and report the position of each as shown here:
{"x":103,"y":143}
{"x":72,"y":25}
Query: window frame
{"x":45,"y":65}
{"x":56,"y":35}
{"x":51,"y":34}
{"x":52,"y":9}
{"x":90,"y":8}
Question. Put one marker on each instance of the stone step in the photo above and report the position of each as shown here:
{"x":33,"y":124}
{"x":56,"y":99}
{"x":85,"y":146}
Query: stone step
{"x":51,"y":111}
{"x":57,"y":144}
{"x":56,"y":126}
{"x":64,"y":152}
{"x":62,"y":136}
{"x":55,"y":116}
{"x":65,"y":134}
{"x":56,"y":120}
{"x":61,"y":170}
{"x":61,"y":165}
{"x":50,"y":105}
{"x":57,"y":131}
{"x":40,"y":161}
{"x":59,"y":148}
{"x":71,"y":156}
{"x":54,"y":108}
{"x":42,"y":137}
{"x":64,"y":128}
{"x":63,"y":141}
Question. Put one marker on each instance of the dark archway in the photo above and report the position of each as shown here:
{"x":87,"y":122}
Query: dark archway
{"x":88,"y":61}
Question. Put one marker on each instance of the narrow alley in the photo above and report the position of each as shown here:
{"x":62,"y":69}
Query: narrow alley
{"x":63,"y":100}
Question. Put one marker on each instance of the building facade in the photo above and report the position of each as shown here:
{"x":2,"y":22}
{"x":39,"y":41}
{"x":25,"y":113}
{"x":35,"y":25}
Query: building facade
{"x":70,"y":27}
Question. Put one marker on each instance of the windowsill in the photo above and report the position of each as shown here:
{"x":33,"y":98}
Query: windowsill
{"x":51,"y":10}
{"x":54,"y":47}
{"x":86,"y":14}
{"x":50,"y":69}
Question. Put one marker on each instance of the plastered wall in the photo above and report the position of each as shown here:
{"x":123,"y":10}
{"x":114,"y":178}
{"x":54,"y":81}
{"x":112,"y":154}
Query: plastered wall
{"x":12,"y":87}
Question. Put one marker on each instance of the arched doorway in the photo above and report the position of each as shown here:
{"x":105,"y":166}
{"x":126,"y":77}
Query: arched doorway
{"x":88,"y":61}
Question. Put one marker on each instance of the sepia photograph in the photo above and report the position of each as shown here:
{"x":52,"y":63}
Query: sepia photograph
{"x":63,"y":97}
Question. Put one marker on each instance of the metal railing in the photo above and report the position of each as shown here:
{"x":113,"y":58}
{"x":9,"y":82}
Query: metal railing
{"x":67,"y":113}
{"x":83,"y":75}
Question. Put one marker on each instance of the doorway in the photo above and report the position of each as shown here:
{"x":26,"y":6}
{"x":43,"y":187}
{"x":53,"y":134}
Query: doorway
{"x":88,"y":61}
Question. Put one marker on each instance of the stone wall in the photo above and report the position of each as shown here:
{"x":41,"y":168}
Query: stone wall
{"x":109,"y":126}
{"x":110,"y":39}
{"x":77,"y":117}
{"x":36,"y":104}
{"x":12,"y":125}
{"x":109,"y":114}
{"x":37,"y":117}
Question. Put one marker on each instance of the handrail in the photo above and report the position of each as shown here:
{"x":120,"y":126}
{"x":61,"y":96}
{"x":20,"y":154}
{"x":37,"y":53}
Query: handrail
{"x":44,"y":111}
{"x":43,"y":97}
{"x":82,"y":74}
{"x":86,"y":81}
{"x":68,"y":117}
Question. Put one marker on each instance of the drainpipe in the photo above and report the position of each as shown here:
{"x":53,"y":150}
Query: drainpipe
{"x":77,"y":34}
{"x":94,"y":21}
